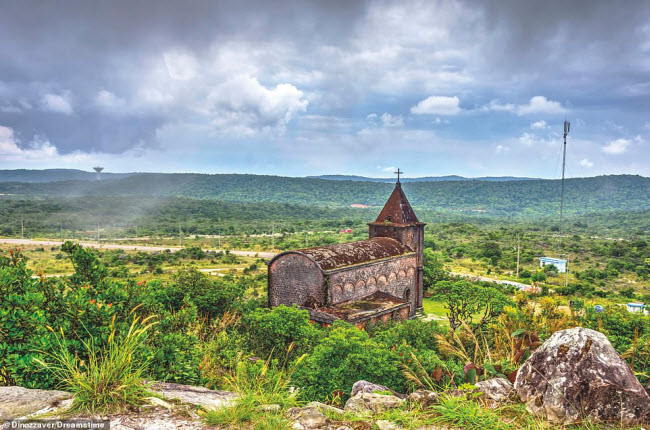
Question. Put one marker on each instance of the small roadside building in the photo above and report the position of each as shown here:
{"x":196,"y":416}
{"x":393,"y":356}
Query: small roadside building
{"x":364,"y":281}
{"x":559,"y":263}
{"x":636,"y":307}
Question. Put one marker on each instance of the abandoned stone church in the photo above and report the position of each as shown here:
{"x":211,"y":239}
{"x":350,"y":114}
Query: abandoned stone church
{"x":360,"y":282}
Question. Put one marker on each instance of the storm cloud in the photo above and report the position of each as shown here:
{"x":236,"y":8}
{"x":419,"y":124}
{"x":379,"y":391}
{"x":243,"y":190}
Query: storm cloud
{"x":448,"y":87}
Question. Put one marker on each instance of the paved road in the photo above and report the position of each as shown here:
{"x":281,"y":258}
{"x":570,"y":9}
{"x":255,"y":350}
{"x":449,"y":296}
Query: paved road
{"x":145,"y":248}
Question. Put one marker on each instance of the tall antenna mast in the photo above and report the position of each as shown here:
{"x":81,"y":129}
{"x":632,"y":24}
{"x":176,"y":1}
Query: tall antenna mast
{"x":567,"y":126}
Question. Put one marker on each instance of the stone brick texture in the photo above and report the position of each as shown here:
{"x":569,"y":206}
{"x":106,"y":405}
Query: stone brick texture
{"x":294,"y":278}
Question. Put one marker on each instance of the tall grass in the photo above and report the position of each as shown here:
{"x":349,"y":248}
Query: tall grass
{"x":112,"y":377}
{"x":258,"y":383}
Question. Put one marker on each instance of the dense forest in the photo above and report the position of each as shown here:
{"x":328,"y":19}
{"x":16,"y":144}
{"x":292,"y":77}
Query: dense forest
{"x":123,"y":216}
{"x":519,"y":199}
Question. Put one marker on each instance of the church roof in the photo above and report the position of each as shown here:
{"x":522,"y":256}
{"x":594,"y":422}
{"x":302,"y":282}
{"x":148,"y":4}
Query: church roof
{"x":351,"y":253}
{"x":397,"y":209}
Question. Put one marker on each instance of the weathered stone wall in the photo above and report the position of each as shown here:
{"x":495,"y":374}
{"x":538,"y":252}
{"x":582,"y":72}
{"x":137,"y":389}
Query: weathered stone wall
{"x":395,"y":276}
{"x":411,"y":236}
{"x":294,"y":278}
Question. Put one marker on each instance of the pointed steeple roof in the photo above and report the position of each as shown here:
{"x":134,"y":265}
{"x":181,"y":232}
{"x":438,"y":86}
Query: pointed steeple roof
{"x":397,"y":209}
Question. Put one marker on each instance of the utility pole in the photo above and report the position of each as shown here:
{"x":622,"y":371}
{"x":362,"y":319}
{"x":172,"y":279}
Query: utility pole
{"x":61,"y":232}
{"x":272,"y":236}
{"x":566,"y":272}
{"x":518,"y":247}
{"x":219,"y":233}
{"x":180,"y":236}
{"x":22,"y":228}
{"x":98,"y":232}
{"x":567,"y":126}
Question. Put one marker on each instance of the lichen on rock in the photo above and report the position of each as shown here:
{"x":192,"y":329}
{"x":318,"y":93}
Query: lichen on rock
{"x":577,"y":374}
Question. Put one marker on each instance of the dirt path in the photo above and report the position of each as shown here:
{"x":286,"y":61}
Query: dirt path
{"x":145,"y":248}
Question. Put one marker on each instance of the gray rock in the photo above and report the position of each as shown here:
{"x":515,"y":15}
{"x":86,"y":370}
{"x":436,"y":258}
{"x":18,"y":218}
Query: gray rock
{"x":324,"y":407}
{"x":372,"y":402}
{"x":369,"y":387}
{"x":496,"y":389}
{"x":576,"y":374}
{"x":17,"y":402}
{"x":424,"y":397}
{"x":308,"y":418}
{"x":387,"y":425}
{"x":196,"y":396}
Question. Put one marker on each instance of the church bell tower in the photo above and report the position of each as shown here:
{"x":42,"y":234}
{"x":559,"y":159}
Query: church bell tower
{"x":398,"y":221}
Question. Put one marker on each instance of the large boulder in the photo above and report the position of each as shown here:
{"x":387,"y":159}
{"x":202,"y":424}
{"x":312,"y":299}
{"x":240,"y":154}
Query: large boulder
{"x":576,"y":374}
{"x":17,"y":402}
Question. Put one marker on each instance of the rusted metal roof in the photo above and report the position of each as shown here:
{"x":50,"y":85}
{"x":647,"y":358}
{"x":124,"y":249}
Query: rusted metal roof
{"x":365,"y":308}
{"x":397,"y":209}
{"x":351,"y":253}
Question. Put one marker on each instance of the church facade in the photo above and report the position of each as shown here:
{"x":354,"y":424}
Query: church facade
{"x":365,"y":281}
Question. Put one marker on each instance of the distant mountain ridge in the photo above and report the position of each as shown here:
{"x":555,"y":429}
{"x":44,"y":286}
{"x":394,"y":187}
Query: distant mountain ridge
{"x":525,"y":198}
{"x":55,"y":175}
{"x":422,"y":178}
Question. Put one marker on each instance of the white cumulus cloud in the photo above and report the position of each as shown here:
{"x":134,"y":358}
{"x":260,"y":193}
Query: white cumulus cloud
{"x":616,"y":147}
{"x":244,"y":106}
{"x":540,"y":104}
{"x":59,"y":103}
{"x":585,"y":162}
{"x":389,"y":120}
{"x":437,"y":105}
{"x":538,"y":125}
{"x":10,"y":151}
{"x":108,"y":101}
{"x":536,"y":105}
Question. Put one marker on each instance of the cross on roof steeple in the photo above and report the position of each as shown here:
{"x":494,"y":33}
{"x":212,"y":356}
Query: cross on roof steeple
{"x":399,"y":172}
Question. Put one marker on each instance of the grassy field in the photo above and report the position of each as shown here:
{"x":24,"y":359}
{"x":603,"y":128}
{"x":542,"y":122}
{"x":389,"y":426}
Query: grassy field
{"x":50,"y":261}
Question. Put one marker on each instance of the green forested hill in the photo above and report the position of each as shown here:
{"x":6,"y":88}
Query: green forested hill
{"x":510,"y":198}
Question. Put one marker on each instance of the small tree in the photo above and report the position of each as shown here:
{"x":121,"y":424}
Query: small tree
{"x":464,"y":300}
{"x":434,"y":269}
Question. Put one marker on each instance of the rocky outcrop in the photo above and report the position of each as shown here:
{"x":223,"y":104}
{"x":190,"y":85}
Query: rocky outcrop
{"x":18,"y":402}
{"x":195,"y":396}
{"x":576,"y":374}
{"x":372,"y":402}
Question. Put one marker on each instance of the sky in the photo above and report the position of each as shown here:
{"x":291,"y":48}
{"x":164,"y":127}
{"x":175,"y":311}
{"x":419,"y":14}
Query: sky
{"x":474,"y":88}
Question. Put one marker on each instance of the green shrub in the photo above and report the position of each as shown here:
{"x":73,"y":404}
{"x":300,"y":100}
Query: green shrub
{"x":419,"y":334}
{"x":272,"y":331}
{"x":345,"y":356}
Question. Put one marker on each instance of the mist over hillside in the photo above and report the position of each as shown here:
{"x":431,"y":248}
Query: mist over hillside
{"x":527,"y":198}
{"x":421,"y":179}
{"x":53,"y":175}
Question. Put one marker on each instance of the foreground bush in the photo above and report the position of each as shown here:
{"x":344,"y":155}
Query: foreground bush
{"x":345,"y":356}
{"x":272,"y":331}
{"x":112,"y":377}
